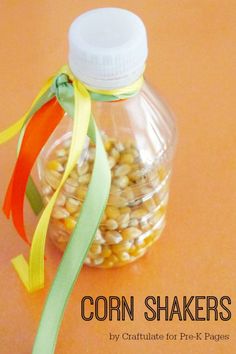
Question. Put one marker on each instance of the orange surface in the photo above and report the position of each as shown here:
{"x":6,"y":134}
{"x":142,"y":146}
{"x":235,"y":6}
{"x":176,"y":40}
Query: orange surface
{"x":192,"y":63}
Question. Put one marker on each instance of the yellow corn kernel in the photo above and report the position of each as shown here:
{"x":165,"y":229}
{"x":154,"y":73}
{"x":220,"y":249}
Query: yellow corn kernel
{"x":99,"y":238}
{"x":114,"y":189}
{"x":61,"y":199}
{"x":46,"y":189}
{"x":72,"y":205}
{"x":139,"y":213}
{"x":126,"y":159}
{"x":98,"y":261}
{"x":156,"y":198}
{"x":112,"y":212}
{"x":132,"y":249}
{"x":76,"y":215}
{"x":117,"y":201}
{"x":81,"y":193}
{"x":61,"y":153}
{"x":70,"y":223}
{"x":131,"y":233}
{"x":139,"y":252}
{"x":95,"y":249}
{"x":115,"y":153}
{"x":129,"y":143}
{"x":161,"y":173}
{"x":73,"y":175}
{"x":148,"y":240}
{"x":140,"y":243}
{"x":106,"y":251}
{"x":70,"y":185}
{"x":133,"y":222}
{"x":84,"y":179}
{"x":107,"y":144}
{"x":113,"y":237}
{"x":111,"y":161}
{"x":128,"y":194}
{"x":125,"y":210}
{"x":53,"y":178}
{"x":124,"y":256}
{"x":121,"y":247}
{"x":119,"y":146}
{"x":87,"y":261}
{"x":135,"y":175}
{"x":60,"y":213}
{"x":149,"y":204}
{"x":113,"y":258}
{"x":55,"y":165}
{"x":123,"y":220}
{"x":122,"y":170}
{"x":111,"y":224}
{"x":121,"y":182}
{"x":135,"y":166}
{"x":108,"y":263}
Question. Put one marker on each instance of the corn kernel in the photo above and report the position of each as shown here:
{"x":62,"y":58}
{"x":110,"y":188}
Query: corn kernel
{"x":112,"y":212}
{"x":60,"y":213}
{"x":70,"y":223}
{"x":139,"y":213}
{"x":95,"y":249}
{"x":113,"y":237}
{"x":53,"y":178}
{"x":107,"y":145}
{"x":131,"y":233}
{"x":121,"y":182}
{"x":72,"y":205}
{"x":126,"y":158}
{"x":111,"y":224}
{"x":55,"y":165}
{"x":121,"y":247}
{"x":106,"y":251}
{"x":124,"y":256}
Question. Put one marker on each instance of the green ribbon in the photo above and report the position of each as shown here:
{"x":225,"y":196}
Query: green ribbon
{"x":83,"y":234}
{"x":86,"y":226}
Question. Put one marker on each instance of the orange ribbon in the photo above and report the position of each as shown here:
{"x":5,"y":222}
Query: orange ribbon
{"x":37,"y":132}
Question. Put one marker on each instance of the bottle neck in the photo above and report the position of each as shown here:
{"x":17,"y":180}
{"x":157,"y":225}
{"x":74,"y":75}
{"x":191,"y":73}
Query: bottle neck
{"x":107,"y":84}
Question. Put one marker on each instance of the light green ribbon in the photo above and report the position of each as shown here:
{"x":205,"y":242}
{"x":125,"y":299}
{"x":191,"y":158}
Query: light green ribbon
{"x":85,"y":229}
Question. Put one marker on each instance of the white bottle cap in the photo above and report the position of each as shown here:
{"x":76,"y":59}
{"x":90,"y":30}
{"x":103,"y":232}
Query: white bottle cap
{"x":107,"y":48}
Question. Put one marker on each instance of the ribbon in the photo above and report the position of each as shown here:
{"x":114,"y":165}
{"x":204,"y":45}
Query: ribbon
{"x":117,"y":94}
{"x":36,"y":134}
{"x":44,"y":95}
{"x":87,"y":224}
{"x":32,"y":274}
{"x":75,"y":98}
{"x":73,"y":258}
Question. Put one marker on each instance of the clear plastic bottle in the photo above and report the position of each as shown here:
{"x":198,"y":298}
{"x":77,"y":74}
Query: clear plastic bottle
{"x":139,"y":136}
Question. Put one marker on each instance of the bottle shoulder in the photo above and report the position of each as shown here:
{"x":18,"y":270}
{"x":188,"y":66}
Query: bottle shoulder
{"x":144,"y":118}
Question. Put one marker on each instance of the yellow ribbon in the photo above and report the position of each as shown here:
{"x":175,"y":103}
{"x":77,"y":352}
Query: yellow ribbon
{"x":134,"y":87}
{"x":32,"y":274}
{"x":15,"y":128}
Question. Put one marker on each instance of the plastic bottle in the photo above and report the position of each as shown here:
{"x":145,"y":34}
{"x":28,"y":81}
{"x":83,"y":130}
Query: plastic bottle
{"x":108,"y":50}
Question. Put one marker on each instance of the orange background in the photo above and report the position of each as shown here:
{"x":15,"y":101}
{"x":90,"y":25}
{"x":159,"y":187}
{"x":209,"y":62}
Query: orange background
{"x":192,"y":63}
